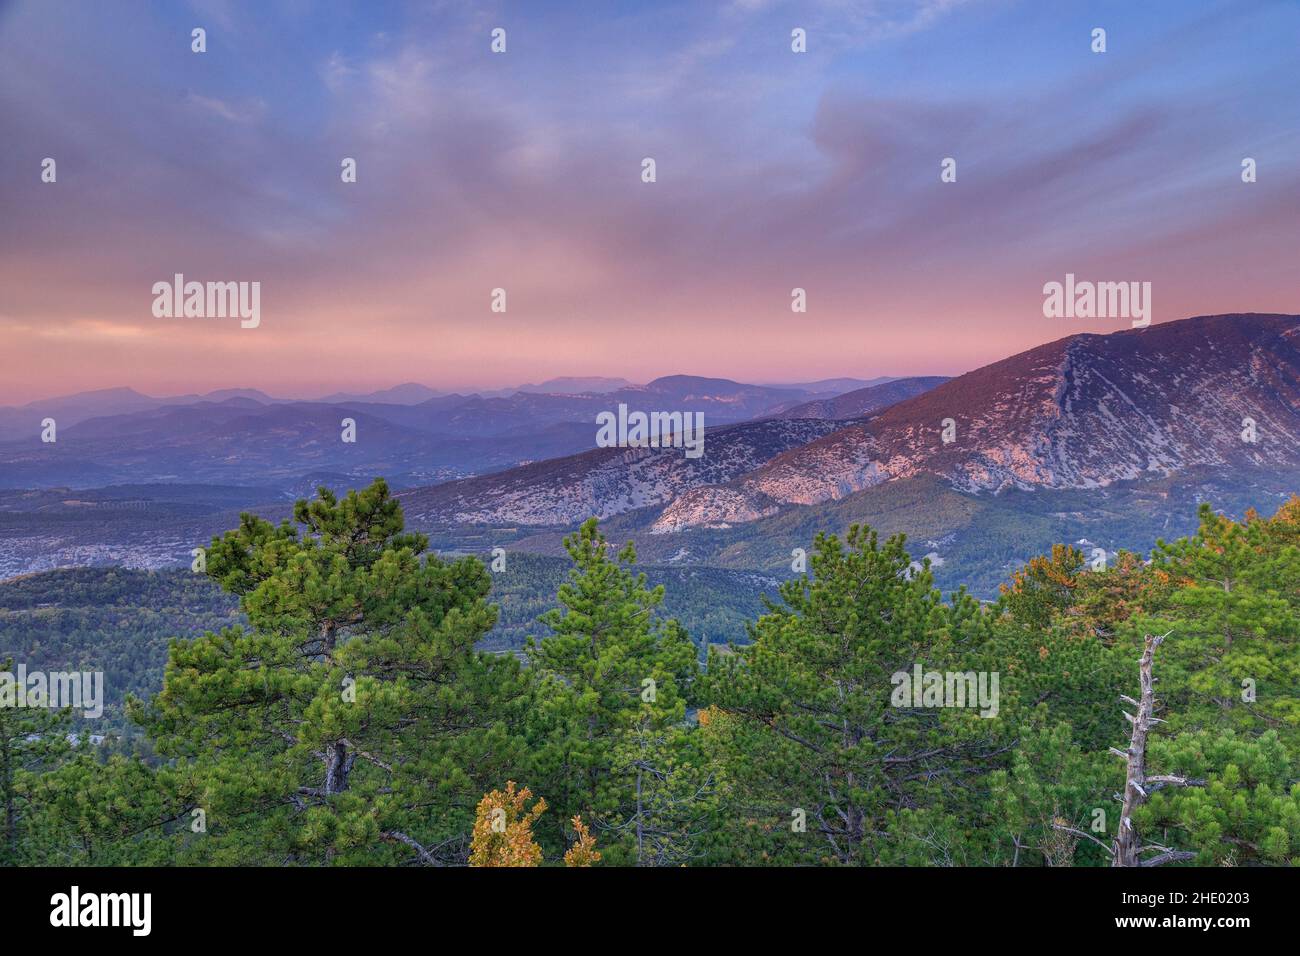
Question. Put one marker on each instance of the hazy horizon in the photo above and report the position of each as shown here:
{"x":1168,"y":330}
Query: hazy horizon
{"x":322,"y":392}
{"x":318,"y":391}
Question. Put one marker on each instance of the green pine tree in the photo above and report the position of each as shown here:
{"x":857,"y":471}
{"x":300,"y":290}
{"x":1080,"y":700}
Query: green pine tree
{"x":819,"y":756}
{"x":612,"y":672}
{"x":33,"y":742}
{"x":352,"y":721}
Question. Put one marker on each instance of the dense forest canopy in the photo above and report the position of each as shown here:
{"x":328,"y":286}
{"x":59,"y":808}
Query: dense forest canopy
{"x":348,"y":711}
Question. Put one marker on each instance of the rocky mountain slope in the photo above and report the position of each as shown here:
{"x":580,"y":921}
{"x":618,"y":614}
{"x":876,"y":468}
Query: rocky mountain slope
{"x":1082,"y":412}
{"x":607,"y":481}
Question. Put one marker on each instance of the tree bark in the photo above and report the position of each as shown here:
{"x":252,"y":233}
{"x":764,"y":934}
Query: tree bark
{"x":338,"y":764}
{"x":1137,"y":785}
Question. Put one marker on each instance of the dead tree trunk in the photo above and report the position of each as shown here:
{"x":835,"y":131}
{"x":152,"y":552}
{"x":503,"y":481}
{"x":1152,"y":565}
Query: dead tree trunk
{"x":1128,"y":844}
{"x":1138,"y":786}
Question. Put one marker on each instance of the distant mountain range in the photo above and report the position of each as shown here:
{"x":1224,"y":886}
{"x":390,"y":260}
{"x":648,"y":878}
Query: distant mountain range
{"x":864,"y":401}
{"x":571,"y":385}
{"x":412,"y":393}
{"x":20,"y":422}
{"x":835,"y":386}
{"x":1109,"y":440}
{"x":408,"y":434}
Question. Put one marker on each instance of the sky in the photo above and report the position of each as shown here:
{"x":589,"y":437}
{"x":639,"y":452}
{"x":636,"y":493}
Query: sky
{"x":522,"y":170}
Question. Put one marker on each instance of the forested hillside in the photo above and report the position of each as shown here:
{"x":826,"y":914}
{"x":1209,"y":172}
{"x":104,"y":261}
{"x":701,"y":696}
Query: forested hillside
{"x":111,"y":620}
{"x":352,"y":715}
{"x":714,"y":604}
{"x":121,"y":621}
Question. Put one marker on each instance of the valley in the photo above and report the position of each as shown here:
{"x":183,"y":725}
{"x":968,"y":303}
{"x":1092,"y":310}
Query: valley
{"x":1108,"y":440}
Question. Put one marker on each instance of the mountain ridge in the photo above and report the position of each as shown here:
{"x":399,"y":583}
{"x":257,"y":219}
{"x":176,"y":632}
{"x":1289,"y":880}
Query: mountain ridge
{"x":1066,"y":414}
{"x":1081,"y":412}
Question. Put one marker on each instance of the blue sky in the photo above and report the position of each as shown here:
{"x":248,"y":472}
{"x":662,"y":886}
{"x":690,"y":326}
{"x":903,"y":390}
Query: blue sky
{"x":477,"y":171}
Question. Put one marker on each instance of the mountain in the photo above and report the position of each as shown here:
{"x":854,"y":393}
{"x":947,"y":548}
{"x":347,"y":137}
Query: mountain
{"x":573,"y":385}
{"x":529,"y":413}
{"x":1083,"y":412}
{"x":248,"y":437}
{"x":238,"y":441}
{"x":605,"y":481}
{"x":1079,"y":414}
{"x":220,"y":395}
{"x":834,"y":386}
{"x":1104,"y":439}
{"x":408,"y":393}
{"x":864,"y":401}
{"x":24,"y":422}
{"x":720,"y":399}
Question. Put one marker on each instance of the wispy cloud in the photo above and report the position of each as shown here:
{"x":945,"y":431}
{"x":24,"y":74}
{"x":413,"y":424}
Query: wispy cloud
{"x":247,"y":112}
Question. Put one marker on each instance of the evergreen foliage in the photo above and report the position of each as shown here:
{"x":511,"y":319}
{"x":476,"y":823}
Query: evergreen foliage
{"x":348,"y":712}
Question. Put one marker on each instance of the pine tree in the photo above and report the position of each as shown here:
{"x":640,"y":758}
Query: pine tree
{"x":610,"y":664}
{"x":814,"y":736}
{"x":1044,"y":587}
{"x":114,"y":811}
{"x":1053,"y":805}
{"x":503,"y":832}
{"x":353,"y":714}
{"x":1234,"y":656}
{"x":670,"y":806}
{"x":1247,"y":812}
{"x":33,"y":741}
